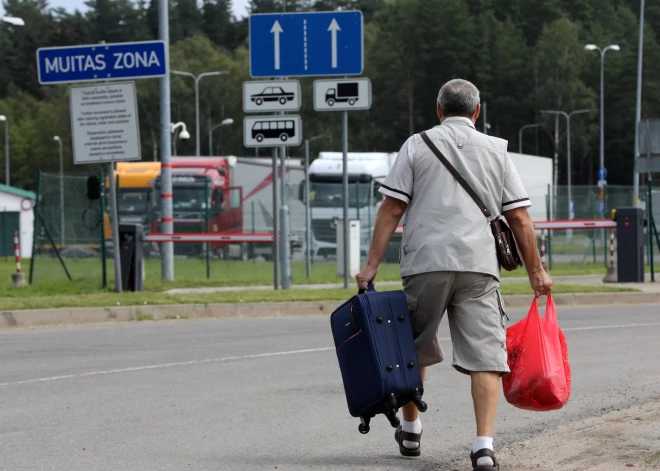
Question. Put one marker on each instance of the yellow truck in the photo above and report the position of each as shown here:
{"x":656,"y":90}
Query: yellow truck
{"x":135,"y":183}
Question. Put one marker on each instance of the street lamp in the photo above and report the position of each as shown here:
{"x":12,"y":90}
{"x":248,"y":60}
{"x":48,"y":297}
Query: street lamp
{"x":568,"y":117}
{"x":593,"y":47}
{"x":225,"y":122}
{"x":197,"y":78}
{"x":526,"y":126}
{"x":59,"y":141}
{"x":12,"y":20}
{"x":184,"y":134}
{"x":4,"y":118}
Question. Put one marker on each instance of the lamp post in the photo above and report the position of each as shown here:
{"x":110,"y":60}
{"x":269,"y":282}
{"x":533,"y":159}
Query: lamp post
{"x":197,"y":78}
{"x":593,"y":47}
{"x":6,"y":120}
{"x":184,"y":134}
{"x":638,"y":107}
{"x":225,"y":122}
{"x":526,"y":126}
{"x":59,"y":141}
{"x":569,"y":169}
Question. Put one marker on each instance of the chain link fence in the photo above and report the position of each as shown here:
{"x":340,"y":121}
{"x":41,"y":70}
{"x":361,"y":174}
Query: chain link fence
{"x":69,"y":230}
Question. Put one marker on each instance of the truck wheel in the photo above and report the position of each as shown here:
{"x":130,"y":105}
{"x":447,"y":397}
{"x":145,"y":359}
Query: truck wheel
{"x":331,"y":102}
{"x":351,"y":101}
{"x":283,"y":137}
{"x":259,"y":101}
{"x":282,"y":100}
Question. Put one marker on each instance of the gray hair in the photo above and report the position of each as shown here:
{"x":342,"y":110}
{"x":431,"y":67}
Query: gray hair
{"x":458,"y":98}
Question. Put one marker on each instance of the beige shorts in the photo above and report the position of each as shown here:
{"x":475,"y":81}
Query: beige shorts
{"x":476,"y":315}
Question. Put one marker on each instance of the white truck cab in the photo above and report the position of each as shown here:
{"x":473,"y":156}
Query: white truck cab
{"x":366,"y":170}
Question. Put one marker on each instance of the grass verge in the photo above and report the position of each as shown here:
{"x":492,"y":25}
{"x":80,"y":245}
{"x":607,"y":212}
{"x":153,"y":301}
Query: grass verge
{"x":108,"y":299}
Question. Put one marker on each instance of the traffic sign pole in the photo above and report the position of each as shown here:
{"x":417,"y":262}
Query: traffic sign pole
{"x":114,"y":226}
{"x":345,"y":184}
{"x":167,"y":221}
{"x":276,"y":247}
{"x":286,"y":226}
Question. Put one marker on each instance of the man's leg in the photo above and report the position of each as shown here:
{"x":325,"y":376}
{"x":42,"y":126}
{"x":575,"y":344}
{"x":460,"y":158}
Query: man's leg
{"x":411,"y":422}
{"x":410,"y":412}
{"x":485,"y":394}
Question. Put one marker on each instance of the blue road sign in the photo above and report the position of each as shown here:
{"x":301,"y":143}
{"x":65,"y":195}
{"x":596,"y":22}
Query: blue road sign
{"x":119,"y":61}
{"x":306,"y":44}
{"x":602,"y":174}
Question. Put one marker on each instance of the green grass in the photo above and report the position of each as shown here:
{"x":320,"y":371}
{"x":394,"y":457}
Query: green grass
{"x":105,"y":299}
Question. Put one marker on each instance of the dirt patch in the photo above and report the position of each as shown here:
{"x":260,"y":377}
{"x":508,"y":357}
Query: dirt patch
{"x":626,"y":439}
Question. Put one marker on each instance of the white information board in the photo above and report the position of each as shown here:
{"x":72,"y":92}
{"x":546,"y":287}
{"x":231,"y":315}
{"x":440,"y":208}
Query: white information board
{"x":267,"y":96}
{"x":342,"y":94}
{"x":104,"y":123}
{"x":272,"y":131}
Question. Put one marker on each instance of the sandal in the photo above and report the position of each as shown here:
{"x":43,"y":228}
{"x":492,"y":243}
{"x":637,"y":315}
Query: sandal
{"x":484,"y":452}
{"x":400,"y":436}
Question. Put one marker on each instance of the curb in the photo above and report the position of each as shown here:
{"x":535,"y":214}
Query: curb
{"x":78,"y":316}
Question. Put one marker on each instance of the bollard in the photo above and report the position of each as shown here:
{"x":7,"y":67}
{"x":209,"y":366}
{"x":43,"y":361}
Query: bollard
{"x":543,"y":251}
{"x":18,"y":278}
{"x":612,"y":275}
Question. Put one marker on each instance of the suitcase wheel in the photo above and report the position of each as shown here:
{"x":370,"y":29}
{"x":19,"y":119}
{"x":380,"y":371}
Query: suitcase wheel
{"x":364,"y":429}
{"x":421,"y":406}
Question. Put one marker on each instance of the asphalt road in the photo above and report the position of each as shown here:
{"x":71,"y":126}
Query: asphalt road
{"x":264,"y":394}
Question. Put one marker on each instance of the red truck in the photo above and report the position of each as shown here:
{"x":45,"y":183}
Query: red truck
{"x":202,"y":193}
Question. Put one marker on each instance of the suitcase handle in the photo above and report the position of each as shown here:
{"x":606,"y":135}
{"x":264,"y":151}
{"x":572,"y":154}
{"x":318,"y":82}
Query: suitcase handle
{"x":370,"y":287}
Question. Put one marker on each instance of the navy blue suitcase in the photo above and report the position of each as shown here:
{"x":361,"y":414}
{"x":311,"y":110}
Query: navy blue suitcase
{"x":377,"y":358}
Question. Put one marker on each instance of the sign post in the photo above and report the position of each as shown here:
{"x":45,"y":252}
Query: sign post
{"x":303,"y":45}
{"x":104,"y":117}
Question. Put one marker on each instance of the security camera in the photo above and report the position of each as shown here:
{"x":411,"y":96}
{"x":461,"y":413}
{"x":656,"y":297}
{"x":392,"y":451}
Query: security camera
{"x":184,"y":136}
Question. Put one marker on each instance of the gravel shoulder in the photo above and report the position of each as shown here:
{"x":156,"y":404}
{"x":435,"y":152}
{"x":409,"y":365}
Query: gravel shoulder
{"x":616,"y":441}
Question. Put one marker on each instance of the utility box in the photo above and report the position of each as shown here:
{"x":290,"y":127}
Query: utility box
{"x":353,"y":248}
{"x":630,"y":245}
{"x":131,"y":240}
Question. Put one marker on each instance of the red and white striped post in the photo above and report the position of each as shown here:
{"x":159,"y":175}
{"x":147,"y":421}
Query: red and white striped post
{"x":17,"y":252}
{"x":18,"y":278}
{"x":612,"y":275}
{"x":543,"y":250}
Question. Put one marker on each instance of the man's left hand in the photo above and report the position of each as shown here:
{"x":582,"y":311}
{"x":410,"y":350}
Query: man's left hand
{"x":366,"y":276}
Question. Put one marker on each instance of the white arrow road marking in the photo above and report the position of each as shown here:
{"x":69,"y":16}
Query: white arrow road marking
{"x":277,"y":30}
{"x":334,"y":27}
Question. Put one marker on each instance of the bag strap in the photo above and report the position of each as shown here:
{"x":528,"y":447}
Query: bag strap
{"x":461,"y":181}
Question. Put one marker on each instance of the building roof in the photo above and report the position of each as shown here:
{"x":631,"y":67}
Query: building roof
{"x":18,"y":192}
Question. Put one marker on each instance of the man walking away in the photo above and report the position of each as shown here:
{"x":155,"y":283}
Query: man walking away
{"x":448,"y":258}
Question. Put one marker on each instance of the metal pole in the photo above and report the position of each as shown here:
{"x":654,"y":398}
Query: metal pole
{"x":649,"y":226}
{"x":308,"y":218}
{"x":208,"y":244}
{"x":197,"y":116}
{"x":638,"y":108}
{"x":285,"y":224}
{"x":167,"y":248}
{"x":211,"y":142}
{"x":7,"y":151}
{"x":276,"y":242}
{"x":61,"y":194}
{"x":569,"y":233}
{"x":345,"y":182}
{"x":485,"y":110}
{"x":102,"y":226}
{"x":114,"y":223}
{"x":602,"y":109}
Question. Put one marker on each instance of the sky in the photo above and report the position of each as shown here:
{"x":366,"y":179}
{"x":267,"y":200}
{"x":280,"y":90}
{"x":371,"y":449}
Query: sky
{"x":239,"y":6}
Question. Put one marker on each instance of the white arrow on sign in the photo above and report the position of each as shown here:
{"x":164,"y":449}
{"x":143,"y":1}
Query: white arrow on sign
{"x":334,"y":27}
{"x":277,"y":30}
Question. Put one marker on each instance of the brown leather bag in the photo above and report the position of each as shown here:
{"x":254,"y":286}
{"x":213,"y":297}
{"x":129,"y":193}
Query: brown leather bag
{"x":505,"y":242}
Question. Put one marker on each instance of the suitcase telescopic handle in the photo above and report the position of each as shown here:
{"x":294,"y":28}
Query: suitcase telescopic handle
{"x":370,"y":287}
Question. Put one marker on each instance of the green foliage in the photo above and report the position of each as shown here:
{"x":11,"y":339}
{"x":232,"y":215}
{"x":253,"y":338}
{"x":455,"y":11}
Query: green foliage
{"x":524,"y":56}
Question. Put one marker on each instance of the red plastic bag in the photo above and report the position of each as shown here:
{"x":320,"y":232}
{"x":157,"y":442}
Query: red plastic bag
{"x":540,"y":377}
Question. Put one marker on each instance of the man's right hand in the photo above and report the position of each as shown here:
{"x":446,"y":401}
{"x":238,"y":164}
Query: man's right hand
{"x":540,"y":282}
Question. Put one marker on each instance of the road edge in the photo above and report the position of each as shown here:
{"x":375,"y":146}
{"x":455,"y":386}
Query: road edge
{"x":76,"y":316}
